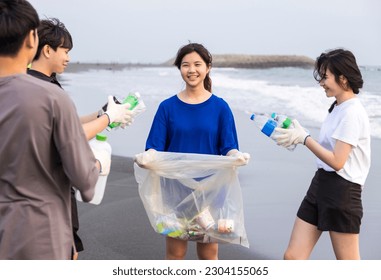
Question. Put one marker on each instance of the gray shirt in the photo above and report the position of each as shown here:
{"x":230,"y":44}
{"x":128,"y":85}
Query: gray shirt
{"x":43,"y":150}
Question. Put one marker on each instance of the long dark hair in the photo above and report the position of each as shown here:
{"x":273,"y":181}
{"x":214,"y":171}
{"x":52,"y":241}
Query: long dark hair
{"x":205,"y":55}
{"x":339,"y":62}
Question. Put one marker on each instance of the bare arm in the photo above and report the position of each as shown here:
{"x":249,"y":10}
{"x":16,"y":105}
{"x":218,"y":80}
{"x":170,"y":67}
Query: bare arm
{"x":95,"y":126}
{"x":336,"y":158}
{"x":89,"y":118}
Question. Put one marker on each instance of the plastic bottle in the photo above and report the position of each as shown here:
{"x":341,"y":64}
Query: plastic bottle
{"x":284,"y":122}
{"x":98,"y":143}
{"x":133,"y":100}
{"x":267,"y":124}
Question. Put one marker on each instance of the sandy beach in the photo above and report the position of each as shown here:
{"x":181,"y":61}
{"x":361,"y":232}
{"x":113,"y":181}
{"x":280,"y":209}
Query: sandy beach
{"x":273,"y":185}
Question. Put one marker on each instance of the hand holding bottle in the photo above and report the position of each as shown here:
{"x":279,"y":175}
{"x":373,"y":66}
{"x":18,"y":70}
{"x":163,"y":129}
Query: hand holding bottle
{"x":137,"y":107}
{"x":291,"y":136}
{"x":118,"y":112}
{"x":269,"y":124}
{"x":140,"y":108}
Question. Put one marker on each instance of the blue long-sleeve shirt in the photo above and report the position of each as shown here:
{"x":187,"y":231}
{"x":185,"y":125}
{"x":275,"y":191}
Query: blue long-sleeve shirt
{"x":205,"y":128}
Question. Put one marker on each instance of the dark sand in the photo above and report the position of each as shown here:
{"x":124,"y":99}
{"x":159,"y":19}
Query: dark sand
{"x":273,"y":185}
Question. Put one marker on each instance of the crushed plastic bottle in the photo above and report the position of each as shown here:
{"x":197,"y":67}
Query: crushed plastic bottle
{"x":267,"y":124}
{"x":134,"y":100}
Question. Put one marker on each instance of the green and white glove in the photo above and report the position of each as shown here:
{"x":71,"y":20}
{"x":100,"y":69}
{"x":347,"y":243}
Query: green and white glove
{"x":119,"y":113}
{"x":291,"y":136}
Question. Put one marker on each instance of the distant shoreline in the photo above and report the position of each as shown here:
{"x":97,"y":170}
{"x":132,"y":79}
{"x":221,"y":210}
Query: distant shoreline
{"x":219,"y":61}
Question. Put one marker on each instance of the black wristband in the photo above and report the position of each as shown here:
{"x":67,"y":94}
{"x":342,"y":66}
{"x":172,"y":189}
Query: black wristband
{"x":305,"y":139}
{"x":104,"y":108}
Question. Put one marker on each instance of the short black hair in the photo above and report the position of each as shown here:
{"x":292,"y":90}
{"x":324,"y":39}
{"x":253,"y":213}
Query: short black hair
{"x":17,"y":19}
{"x":52,"y":32}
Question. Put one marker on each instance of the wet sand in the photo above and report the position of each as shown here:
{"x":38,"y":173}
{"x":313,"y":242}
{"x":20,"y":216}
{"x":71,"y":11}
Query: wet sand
{"x":273,"y":185}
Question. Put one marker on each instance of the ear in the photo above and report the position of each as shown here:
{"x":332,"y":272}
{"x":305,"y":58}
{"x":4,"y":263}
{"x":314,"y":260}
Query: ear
{"x":209,"y":68}
{"x":31,"y":44}
{"x":343,"y":82}
{"x":46,"y":50}
{"x":31,"y":40}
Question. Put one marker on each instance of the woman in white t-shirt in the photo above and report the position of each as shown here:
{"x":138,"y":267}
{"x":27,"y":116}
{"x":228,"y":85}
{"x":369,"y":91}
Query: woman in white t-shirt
{"x":333,"y":200}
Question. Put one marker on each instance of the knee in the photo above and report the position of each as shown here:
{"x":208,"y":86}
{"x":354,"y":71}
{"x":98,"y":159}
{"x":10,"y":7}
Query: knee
{"x":292,"y":255}
{"x":175,"y":249}
{"x":288,"y":256}
{"x":207,"y":251}
{"x":175,"y":255}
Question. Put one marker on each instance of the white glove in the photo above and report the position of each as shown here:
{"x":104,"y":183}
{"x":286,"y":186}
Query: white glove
{"x":242,"y":158}
{"x":291,"y":136}
{"x":124,"y":125}
{"x":119,"y":113}
{"x":146,"y":157}
{"x":140,"y":108}
{"x":104,"y":159}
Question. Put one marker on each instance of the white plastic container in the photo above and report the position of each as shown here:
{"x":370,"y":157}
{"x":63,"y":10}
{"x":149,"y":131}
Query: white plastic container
{"x":98,"y":143}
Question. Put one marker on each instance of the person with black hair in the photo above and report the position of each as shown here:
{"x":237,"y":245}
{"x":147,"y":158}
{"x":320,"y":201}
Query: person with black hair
{"x":43,"y":148}
{"x":333,"y":202}
{"x":52,"y":57}
{"x":193,"y":121}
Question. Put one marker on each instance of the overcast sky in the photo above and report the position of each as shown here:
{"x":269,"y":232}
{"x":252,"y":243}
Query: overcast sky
{"x":153,"y":30}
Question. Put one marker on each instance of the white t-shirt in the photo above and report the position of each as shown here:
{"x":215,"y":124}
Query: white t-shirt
{"x":349,"y":123}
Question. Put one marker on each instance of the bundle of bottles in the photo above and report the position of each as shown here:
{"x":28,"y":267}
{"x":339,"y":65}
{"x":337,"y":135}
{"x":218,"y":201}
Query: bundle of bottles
{"x":267,"y":124}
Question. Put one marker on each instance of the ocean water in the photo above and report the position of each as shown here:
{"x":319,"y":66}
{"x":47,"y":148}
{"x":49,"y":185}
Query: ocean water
{"x":291,"y":91}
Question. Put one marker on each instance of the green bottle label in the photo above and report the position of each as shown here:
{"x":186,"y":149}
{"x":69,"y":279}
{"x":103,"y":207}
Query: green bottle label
{"x":130,"y":99}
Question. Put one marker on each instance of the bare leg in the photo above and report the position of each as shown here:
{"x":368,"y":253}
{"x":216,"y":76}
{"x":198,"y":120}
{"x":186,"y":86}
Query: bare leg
{"x":175,"y":249}
{"x":345,"y":245}
{"x":303,"y":239}
{"x":207,"y":251}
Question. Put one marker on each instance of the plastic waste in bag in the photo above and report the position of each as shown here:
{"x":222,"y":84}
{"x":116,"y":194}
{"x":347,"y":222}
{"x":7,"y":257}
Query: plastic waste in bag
{"x":193,"y":197}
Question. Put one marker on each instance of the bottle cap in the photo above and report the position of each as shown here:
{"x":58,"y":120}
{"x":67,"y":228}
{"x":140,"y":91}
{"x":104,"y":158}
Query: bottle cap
{"x":286,"y":123}
{"x":101,"y":137}
{"x":252,"y":117}
{"x":269,"y":127}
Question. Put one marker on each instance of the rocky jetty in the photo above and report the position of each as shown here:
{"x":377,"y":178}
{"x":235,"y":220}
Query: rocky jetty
{"x":225,"y":61}
{"x":258,"y":61}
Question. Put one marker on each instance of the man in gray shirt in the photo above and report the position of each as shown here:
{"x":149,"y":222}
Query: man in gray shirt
{"x":43,"y":149}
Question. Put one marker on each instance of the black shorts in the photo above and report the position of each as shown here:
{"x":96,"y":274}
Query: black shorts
{"x":332,"y":203}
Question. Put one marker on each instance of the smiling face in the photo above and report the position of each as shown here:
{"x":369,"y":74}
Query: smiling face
{"x":58,"y":59}
{"x":194,"y":70}
{"x":331,"y":87}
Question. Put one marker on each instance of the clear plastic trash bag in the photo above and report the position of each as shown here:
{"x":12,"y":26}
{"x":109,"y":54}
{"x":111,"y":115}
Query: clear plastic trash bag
{"x":193,"y":197}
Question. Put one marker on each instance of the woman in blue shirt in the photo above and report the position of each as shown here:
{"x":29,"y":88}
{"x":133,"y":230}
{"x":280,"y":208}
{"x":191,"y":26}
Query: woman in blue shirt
{"x":194,"y":121}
